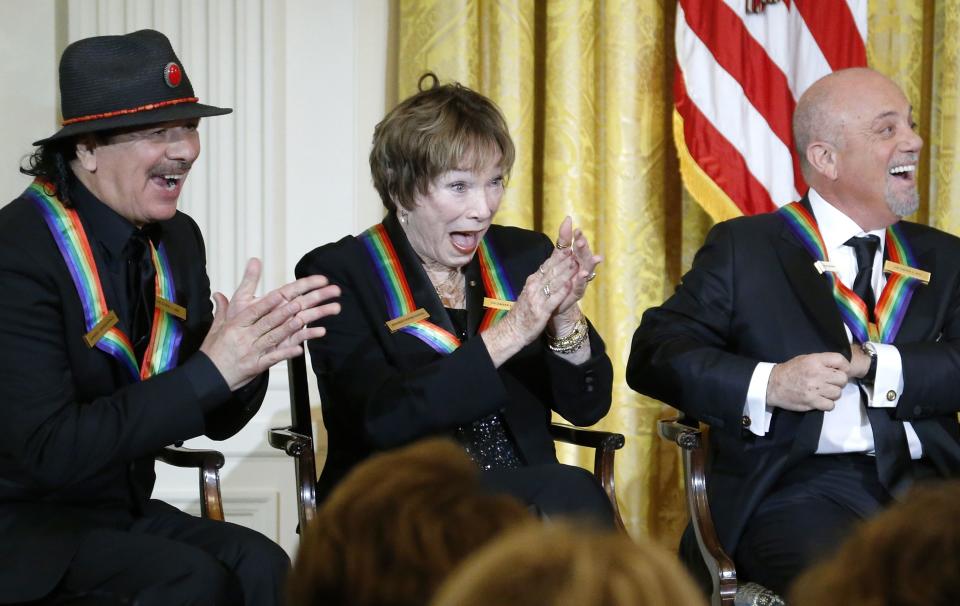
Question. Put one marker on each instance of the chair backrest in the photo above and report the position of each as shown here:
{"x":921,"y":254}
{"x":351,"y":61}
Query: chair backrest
{"x":299,"y":395}
{"x":297,"y":439}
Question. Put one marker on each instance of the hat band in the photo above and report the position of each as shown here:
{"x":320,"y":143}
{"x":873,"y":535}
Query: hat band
{"x":132,"y":110}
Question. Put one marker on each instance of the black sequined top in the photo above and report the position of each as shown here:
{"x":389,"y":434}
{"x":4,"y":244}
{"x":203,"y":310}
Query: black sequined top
{"x":486,"y":440}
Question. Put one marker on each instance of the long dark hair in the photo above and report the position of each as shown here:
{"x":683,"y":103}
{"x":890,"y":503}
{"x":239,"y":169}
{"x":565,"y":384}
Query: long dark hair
{"x":52,"y":162}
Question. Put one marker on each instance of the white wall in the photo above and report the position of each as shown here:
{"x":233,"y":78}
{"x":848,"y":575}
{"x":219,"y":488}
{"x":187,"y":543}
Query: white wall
{"x":28,"y":85}
{"x":284,"y":173}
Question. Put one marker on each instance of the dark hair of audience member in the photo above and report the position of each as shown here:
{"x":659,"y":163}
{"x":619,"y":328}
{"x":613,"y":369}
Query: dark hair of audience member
{"x":563,"y":565}
{"x":396,"y":526}
{"x":908,"y":555}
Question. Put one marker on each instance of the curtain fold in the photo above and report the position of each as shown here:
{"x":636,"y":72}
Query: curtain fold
{"x":586,"y":89}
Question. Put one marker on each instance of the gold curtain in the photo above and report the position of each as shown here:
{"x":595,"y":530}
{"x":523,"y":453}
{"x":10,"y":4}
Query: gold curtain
{"x":586,"y":88}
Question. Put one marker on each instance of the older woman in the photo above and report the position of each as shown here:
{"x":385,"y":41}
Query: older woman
{"x":450,"y":325}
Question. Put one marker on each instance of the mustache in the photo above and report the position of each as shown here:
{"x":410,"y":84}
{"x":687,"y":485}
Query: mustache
{"x":180,"y":166}
{"x":910,"y":159}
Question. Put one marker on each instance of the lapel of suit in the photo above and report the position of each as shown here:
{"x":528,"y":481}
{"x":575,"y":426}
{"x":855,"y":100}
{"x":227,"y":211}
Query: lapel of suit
{"x":422,"y":290}
{"x":815,"y":294}
{"x":475,"y":293}
{"x":812,"y":289}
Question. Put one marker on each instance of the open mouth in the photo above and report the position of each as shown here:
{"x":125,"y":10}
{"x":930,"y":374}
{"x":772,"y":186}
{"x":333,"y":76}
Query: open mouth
{"x":905,"y":172}
{"x":465,"y":241}
{"x":169,"y":182}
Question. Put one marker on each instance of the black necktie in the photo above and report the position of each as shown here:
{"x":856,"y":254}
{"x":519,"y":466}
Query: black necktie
{"x":140,"y":291}
{"x":865,"y":249}
{"x":889,"y":437}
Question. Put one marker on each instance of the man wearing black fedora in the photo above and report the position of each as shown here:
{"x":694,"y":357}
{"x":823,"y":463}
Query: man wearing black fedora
{"x":110,"y":348}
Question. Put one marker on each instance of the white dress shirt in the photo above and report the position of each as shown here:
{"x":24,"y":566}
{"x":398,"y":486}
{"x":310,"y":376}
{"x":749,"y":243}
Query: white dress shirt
{"x":846,"y":428}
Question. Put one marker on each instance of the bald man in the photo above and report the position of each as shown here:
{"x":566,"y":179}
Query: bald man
{"x":819,"y":342}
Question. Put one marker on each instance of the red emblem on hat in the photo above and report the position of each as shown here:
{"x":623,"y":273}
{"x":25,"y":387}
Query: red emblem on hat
{"x":172,"y":75}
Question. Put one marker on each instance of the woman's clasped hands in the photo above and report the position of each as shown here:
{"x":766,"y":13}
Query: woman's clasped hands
{"x":550,"y":296}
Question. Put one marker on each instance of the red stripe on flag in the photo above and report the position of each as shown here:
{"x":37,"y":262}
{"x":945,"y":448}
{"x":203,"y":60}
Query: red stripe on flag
{"x":737,"y":52}
{"x":720,"y":160}
{"x":835,"y":31}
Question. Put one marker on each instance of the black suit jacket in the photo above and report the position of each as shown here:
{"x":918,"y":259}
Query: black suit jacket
{"x":753,"y":295}
{"x":380,"y":389}
{"x":77,"y":435}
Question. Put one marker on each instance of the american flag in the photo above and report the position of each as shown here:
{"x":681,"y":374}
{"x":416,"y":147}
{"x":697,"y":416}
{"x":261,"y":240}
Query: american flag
{"x":741,"y":67}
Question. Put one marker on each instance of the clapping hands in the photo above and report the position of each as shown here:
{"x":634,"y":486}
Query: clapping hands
{"x":250,"y":334}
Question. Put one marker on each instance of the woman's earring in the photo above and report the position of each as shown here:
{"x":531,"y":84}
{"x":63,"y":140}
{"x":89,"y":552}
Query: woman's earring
{"x":402,"y":215}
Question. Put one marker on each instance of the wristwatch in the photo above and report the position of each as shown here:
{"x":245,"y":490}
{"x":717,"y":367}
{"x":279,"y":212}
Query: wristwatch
{"x":869,"y":349}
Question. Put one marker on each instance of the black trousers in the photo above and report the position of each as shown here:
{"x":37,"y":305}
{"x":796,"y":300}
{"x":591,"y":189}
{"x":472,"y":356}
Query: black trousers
{"x":555,"y":490}
{"x":167,"y":557}
{"x":812,"y":508}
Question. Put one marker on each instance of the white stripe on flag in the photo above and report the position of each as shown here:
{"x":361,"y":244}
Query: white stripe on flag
{"x":809,"y":63}
{"x":720,"y":98}
{"x":858,"y":8}
{"x":788,"y":42}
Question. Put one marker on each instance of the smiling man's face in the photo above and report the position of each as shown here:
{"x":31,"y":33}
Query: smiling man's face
{"x":140,"y":173}
{"x":878,"y":150}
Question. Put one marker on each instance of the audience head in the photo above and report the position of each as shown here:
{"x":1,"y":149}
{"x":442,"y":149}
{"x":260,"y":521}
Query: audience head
{"x":563,"y":565}
{"x":854,"y":135}
{"x":395,"y":527}
{"x":441,"y":128}
{"x":908,"y":555}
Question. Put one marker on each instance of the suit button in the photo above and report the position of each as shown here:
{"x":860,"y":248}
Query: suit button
{"x":745,"y":421}
{"x":588,"y":379}
{"x":917,"y":410}
{"x":891,"y":396}
{"x":588,"y":388}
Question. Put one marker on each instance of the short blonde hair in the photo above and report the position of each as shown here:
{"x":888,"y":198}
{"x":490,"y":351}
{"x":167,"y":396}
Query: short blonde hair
{"x":564,"y":565}
{"x":396,"y":526}
{"x":441,"y":128}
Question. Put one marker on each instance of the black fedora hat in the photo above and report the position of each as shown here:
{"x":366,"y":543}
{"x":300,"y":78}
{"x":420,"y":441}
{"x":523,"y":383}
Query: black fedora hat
{"x":109,"y":82}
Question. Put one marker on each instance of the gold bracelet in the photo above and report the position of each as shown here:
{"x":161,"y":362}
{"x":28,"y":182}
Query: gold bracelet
{"x":571,"y":342}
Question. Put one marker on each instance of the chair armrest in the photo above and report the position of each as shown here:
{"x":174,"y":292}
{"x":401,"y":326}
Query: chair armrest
{"x":300,"y":447}
{"x":209,"y":463}
{"x":179,"y":456}
{"x":686,"y":434}
{"x":605,"y":445}
{"x":680,"y":432}
{"x":589,"y":438}
{"x":289,"y":441}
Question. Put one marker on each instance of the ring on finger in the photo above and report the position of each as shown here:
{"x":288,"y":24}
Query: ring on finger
{"x":592,"y":275}
{"x":546,"y":290}
{"x":560,"y":245}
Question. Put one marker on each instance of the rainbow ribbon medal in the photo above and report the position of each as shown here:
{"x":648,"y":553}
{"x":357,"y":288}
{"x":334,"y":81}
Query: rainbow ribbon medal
{"x":893,"y":302}
{"x":101,"y":323}
{"x":495,"y":284}
{"x":399,"y":299}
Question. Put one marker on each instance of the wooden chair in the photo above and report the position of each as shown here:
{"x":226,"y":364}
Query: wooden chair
{"x":297,"y":441}
{"x":208,"y":464}
{"x":727,"y":590}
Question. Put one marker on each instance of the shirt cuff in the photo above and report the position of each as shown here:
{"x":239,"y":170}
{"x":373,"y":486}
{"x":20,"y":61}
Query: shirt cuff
{"x":888,"y":383}
{"x":755,"y":408}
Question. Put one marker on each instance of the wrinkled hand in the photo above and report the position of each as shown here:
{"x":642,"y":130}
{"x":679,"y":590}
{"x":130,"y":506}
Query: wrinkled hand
{"x":544,"y":290}
{"x":568,"y":312}
{"x":808,"y":382}
{"x":250,"y":334}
